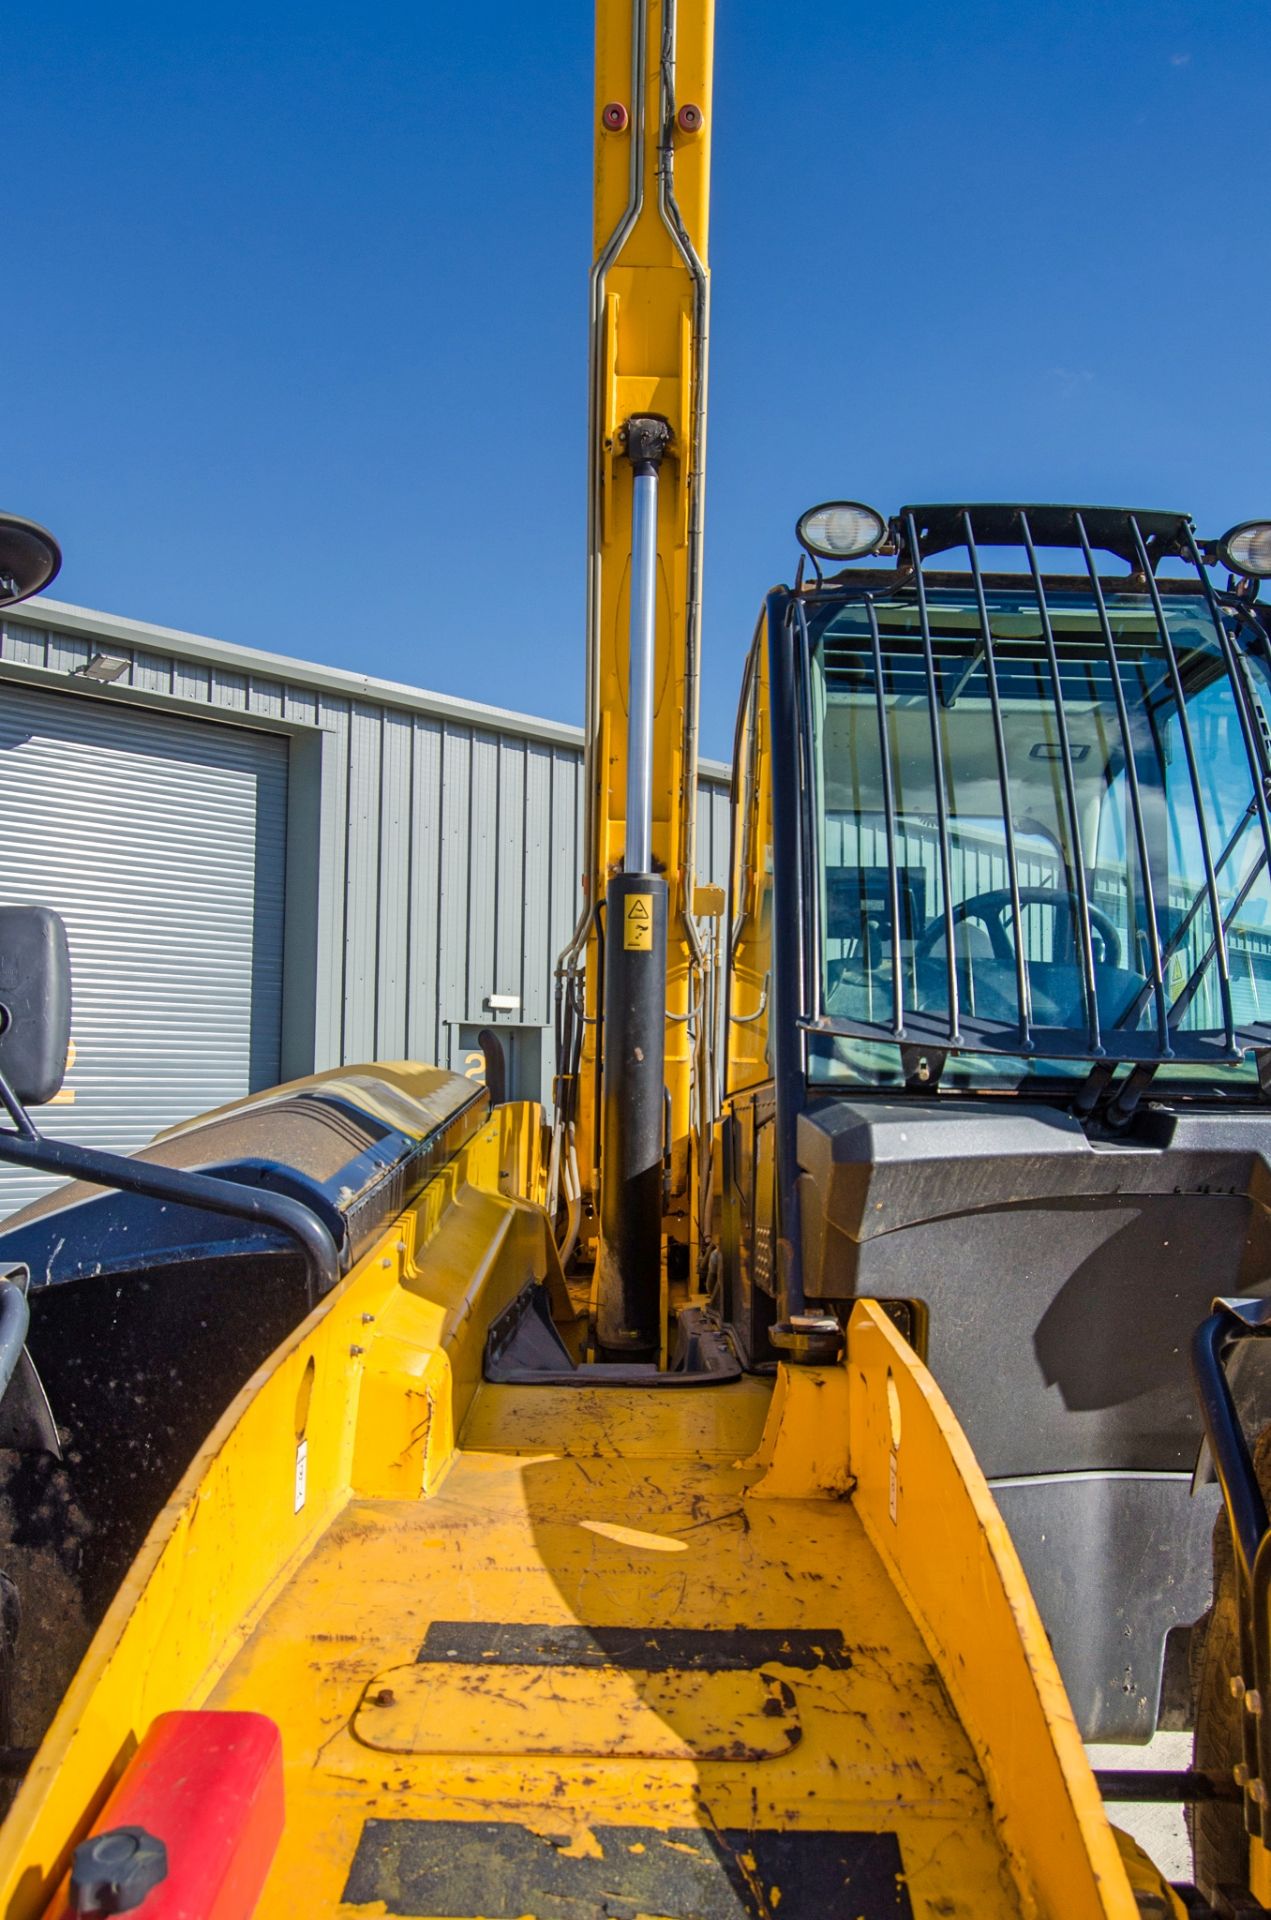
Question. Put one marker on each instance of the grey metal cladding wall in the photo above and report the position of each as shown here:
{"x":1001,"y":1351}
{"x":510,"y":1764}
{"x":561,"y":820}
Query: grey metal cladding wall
{"x":461,"y":851}
{"x":161,"y":842}
{"x":450,"y":833}
{"x":459,"y":848}
{"x":714,"y":820}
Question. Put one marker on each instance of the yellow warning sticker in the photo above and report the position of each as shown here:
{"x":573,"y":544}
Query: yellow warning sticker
{"x":637,"y":923}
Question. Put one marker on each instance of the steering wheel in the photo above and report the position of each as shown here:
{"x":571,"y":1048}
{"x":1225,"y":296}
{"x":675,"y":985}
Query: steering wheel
{"x":992,"y":909}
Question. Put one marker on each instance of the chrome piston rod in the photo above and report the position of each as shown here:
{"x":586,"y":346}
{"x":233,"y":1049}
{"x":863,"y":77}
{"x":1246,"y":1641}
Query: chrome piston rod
{"x":646,"y":443}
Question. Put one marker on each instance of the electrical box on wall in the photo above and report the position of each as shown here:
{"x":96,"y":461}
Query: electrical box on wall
{"x":526,"y":1050}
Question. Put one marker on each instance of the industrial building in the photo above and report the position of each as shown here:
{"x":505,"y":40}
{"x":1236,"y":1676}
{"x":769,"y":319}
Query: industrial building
{"x":268,"y":867}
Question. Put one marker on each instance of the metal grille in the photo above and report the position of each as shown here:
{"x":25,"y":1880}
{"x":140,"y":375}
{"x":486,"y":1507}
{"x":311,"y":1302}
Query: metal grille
{"x":917,"y":643}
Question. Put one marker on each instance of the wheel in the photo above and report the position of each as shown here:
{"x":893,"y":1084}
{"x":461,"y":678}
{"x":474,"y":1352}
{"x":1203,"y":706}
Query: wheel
{"x":1220,"y":1846}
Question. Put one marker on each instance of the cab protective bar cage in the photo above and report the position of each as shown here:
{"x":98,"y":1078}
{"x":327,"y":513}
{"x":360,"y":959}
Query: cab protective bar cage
{"x":1142,"y":540}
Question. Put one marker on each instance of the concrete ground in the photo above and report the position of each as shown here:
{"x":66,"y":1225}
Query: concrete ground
{"x":1159,"y":1830}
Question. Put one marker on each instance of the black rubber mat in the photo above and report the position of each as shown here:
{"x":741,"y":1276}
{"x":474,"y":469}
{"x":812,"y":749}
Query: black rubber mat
{"x":638,"y":1650}
{"x":457,"y":1869}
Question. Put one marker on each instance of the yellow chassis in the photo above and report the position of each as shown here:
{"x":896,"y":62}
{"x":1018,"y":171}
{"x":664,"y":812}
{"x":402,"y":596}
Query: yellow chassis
{"x":902,"y":1704}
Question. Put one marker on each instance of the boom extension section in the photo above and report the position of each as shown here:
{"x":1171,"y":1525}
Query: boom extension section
{"x":632,"y":1087}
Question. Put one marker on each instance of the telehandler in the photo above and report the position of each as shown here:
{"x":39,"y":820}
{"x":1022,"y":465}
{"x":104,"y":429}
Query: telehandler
{"x":628,"y":1514}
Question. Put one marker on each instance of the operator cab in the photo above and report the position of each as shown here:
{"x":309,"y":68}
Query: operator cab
{"x":1038,"y":828}
{"x":999,"y":1013}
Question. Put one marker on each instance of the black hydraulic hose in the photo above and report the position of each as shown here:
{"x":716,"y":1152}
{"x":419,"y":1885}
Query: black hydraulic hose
{"x":788,"y":997}
{"x":213,"y":1193}
{"x":1246,"y":1507}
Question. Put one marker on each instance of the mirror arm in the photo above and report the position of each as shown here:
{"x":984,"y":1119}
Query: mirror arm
{"x":17,"y":1112}
{"x":214,"y":1193}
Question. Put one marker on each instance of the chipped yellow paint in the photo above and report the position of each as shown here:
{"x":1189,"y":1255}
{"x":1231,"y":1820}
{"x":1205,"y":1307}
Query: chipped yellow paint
{"x":803,"y":1452}
{"x":504,"y":1540}
{"x":1147,"y":1880}
{"x":401,"y":1326}
{"x":927,"y":1510}
{"x":580,"y":1711}
{"x":878,"y":1430}
{"x":619,"y":1422}
{"x":434,"y":1497}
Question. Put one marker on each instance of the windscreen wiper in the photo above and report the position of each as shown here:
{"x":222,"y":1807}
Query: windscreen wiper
{"x":976,"y":658}
{"x":1123,"y":1102}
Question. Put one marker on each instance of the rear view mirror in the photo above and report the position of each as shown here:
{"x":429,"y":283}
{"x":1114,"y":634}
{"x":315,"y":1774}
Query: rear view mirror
{"x":35,"y":1002}
{"x":29,"y":559}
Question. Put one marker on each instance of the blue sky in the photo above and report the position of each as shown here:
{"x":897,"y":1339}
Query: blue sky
{"x":293,"y":323}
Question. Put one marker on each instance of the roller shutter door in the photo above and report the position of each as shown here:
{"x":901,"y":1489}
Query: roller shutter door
{"x":161,"y":841}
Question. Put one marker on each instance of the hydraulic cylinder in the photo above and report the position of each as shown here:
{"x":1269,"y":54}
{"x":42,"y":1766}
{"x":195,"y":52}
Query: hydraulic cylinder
{"x":633,"y":1116}
{"x":633,"y":1099}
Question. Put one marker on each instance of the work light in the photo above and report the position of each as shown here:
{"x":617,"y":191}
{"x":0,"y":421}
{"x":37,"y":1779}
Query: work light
{"x":841,"y":530}
{"x":1247,"y":549}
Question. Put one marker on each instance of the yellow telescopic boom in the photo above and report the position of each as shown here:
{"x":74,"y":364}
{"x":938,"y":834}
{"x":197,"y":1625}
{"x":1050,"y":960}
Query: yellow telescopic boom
{"x":647,"y":424}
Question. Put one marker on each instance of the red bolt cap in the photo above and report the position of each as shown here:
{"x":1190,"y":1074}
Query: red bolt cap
{"x":614,"y":118}
{"x":689,"y":118}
